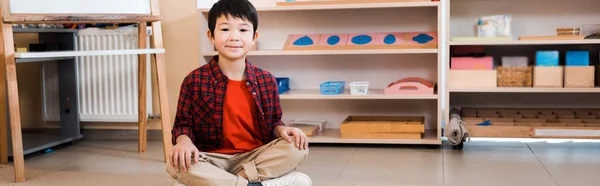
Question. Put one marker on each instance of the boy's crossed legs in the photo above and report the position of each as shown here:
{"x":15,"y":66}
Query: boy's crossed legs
{"x":269,"y":161}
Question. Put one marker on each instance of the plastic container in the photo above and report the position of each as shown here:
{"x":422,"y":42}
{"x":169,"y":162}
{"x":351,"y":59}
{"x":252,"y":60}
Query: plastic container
{"x":283,"y":84}
{"x":332,"y":87}
{"x":359,"y":87}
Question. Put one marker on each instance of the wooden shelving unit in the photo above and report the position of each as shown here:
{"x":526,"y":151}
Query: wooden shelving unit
{"x":333,"y":52}
{"x":529,"y":18}
{"x":307,"y":69}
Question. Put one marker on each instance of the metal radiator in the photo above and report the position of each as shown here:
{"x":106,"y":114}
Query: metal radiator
{"x":108,"y":90}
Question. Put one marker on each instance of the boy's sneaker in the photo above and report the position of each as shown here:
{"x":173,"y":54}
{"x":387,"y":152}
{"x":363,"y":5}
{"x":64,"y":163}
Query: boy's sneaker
{"x":290,"y":179}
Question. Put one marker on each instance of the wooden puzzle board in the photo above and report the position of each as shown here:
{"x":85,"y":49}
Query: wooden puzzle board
{"x":383,"y":127}
{"x":533,"y":123}
{"x":358,"y":41}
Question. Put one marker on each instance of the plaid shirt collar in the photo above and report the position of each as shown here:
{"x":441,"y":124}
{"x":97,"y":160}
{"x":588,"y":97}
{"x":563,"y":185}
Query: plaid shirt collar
{"x":219,"y":76}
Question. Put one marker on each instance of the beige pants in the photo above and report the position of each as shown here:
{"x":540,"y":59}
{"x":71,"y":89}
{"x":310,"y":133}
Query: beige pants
{"x":269,"y":161}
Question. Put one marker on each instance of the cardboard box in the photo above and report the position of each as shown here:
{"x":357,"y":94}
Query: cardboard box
{"x":548,"y":76}
{"x":579,"y":76}
{"x":472,"y":78}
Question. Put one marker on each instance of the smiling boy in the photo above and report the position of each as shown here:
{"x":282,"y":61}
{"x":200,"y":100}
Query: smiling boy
{"x":228,"y":128}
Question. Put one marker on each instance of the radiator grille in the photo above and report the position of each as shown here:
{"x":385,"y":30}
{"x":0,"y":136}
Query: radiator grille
{"x":107,"y":85}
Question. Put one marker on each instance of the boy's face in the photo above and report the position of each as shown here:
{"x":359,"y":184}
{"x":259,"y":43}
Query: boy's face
{"x":233,"y":37}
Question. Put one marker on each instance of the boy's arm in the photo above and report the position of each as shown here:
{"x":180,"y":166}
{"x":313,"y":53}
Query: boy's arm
{"x":183,"y":118}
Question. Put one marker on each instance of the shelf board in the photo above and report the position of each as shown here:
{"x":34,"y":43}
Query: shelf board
{"x":332,"y":135}
{"x":58,"y":54}
{"x":372,"y":94}
{"x":331,"y":52}
{"x":44,"y":30}
{"x":30,"y":60}
{"x":526,"y":42}
{"x":37,"y":142}
{"x":523,"y":90}
{"x":341,"y":6}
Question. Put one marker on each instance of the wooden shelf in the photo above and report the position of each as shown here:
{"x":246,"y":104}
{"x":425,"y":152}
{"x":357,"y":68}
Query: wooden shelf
{"x":332,"y":135}
{"x":332,"y":52}
{"x":308,"y":67}
{"x":530,"y":19}
{"x":372,"y":94}
{"x":58,"y":54}
{"x":523,"y":90}
{"x":526,"y":42}
{"x":342,"y":6}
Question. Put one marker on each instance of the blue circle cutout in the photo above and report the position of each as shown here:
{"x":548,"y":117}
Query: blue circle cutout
{"x":361,"y":39}
{"x":389,"y":39}
{"x":422,"y":38}
{"x":332,"y":40}
{"x":303,"y":41}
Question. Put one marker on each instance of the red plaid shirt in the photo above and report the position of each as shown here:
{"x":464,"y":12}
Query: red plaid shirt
{"x":200,"y":106}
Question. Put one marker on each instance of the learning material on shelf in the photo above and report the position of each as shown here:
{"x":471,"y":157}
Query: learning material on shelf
{"x":361,"y":41}
{"x":532,"y":122}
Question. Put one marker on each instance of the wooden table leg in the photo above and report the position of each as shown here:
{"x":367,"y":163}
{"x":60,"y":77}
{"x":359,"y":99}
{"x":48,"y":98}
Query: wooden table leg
{"x":13,"y":102}
{"x":142,"y":116}
{"x":163,"y":99}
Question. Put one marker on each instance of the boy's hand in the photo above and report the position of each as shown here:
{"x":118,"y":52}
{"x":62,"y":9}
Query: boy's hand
{"x":301,"y":141}
{"x":182,"y":154}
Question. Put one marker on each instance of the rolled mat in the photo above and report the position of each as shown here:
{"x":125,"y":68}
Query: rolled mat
{"x":456,"y":132}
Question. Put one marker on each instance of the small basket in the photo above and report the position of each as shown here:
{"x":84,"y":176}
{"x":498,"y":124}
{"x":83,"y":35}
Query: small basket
{"x":515,"y":76}
{"x":359,"y":87}
{"x":332,"y":87}
{"x":283,"y":84}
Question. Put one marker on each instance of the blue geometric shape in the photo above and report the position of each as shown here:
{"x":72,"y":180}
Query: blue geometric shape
{"x":303,"y":41}
{"x":332,"y":40}
{"x":547,"y":58}
{"x":577,"y":58}
{"x":422,"y":38}
{"x":389,"y":39}
{"x":361,"y":39}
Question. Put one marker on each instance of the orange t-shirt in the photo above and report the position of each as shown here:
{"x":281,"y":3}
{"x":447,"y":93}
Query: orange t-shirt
{"x":239,"y":120}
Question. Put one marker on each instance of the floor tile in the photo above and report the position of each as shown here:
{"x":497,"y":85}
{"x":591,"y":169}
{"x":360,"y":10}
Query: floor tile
{"x":401,"y":154}
{"x":392,"y":172}
{"x":496,"y":174}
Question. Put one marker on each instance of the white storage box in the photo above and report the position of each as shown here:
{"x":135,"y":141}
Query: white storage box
{"x":359,"y":87}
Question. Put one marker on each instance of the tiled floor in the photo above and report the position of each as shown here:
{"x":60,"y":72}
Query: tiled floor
{"x":478,"y":164}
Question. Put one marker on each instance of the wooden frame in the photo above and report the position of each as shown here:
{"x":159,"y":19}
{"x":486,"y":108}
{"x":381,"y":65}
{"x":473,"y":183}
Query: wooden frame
{"x":8,"y":74}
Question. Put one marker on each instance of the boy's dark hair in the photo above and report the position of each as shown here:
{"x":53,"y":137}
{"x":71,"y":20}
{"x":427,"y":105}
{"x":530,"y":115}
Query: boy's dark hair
{"x":242,"y":9}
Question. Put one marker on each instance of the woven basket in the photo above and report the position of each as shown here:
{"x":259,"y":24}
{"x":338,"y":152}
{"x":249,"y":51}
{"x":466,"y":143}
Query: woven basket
{"x":515,"y":76}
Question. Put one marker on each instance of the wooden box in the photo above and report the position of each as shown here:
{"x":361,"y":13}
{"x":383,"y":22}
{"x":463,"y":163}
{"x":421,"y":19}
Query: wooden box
{"x":472,"y":78}
{"x":548,"y":76}
{"x":579,"y":76}
{"x":598,"y":77}
{"x":515,"y":76}
{"x":383,"y":127}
